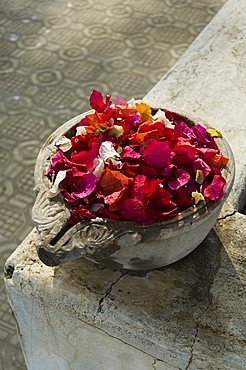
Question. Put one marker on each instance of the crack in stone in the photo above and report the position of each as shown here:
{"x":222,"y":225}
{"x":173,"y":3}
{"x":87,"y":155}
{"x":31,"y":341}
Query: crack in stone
{"x":226,"y":216}
{"x":108,"y":291}
{"x":192,"y":348}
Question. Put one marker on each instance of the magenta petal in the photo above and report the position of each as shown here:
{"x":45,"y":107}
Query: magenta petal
{"x":166,"y":172}
{"x":128,"y":152}
{"x":85,"y":184}
{"x":60,"y":162}
{"x":215,"y":190}
{"x":157,"y":154}
{"x":96,"y":101}
{"x":83,"y":122}
{"x":119,"y":101}
{"x":201,"y":133}
{"x":133,"y":120}
{"x":181,"y":178}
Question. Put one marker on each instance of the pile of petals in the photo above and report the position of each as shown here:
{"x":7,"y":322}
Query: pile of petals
{"x":126,"y":162}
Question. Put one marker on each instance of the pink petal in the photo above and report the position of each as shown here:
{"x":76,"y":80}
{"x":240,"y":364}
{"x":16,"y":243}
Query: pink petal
{"x":199,"y":164}
{"x":120,"y":101}
{"x":181,"y":178}
{"x":128,"y":152}
{"x":215,"y":190}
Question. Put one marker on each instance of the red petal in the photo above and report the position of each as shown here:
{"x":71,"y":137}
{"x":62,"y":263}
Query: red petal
{"x":133,"y":209}
{"x":113,"y":200}
{"x":185,"y":148}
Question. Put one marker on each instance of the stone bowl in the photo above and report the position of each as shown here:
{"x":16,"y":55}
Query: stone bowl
{"x":113,"y":243}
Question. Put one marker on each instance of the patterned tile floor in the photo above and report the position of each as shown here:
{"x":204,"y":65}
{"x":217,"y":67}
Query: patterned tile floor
{"x":52,"y":53}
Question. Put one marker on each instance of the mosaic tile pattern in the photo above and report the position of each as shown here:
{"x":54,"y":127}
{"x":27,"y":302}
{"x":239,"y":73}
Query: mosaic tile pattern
{"x":52,"y":54}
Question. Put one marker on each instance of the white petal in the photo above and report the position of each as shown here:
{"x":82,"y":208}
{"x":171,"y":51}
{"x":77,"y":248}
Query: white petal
{"x":80,"y":130}
{"x":55,"y":188}
{"x":132,"y":103}
{"x":98,"y":165}
{"x":107,"y":151}
{"x":64,"y":143}
{"x":159,"y":116}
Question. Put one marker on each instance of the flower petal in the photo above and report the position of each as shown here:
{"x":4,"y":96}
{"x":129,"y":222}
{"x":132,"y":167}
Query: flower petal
{"x":114,"y":181}
{"x":64,"y":143}
{"x":113,"y":200}
{"x":60,"y":162}
{"x":80,"y":130}
{"x":159,"y":116}
{"x":55,"y":187}
{"x":214,"y":132}
{"x":201,"y":133}
{"x":215,"y":190}
{"x":98,"y":167}
{"x":117,"y":131}
{"x":181,"y":177}
{"x":157,"y":154}
{"x":97,"y":103}
{"x":198,"y":197}
{"x":133,"y":209}
{"x":85,"y":185}
{"x":107,"y":152}
{"x":128,"y":152}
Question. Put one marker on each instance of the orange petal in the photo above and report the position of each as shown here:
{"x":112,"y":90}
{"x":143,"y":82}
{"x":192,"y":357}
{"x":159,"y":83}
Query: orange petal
{"x":219,"y":161}
{"x":141,"y":137}
{"x":114,"y":181}
{"x":126,"y":111}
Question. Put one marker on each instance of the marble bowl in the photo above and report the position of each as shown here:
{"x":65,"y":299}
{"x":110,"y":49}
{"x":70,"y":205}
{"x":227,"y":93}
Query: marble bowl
{"x":119,"y":244}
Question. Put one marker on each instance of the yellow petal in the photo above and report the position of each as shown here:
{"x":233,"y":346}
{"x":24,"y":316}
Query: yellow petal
{"x":197,"y":196}
{"x":214,"y":133}
{"x":144,"y":110}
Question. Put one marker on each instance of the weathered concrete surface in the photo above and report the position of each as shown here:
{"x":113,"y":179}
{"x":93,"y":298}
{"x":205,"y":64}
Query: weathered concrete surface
{"x":72,"y":344}
{"x":189,"y":315}
{"x":209,"y":80}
